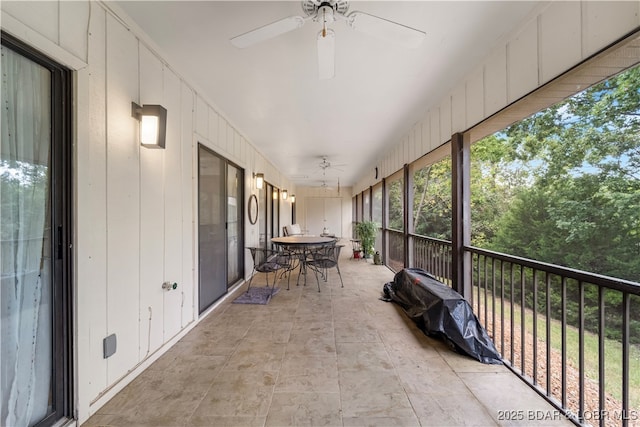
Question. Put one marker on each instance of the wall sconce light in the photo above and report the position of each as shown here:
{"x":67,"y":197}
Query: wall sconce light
{"x":275,"y":194}
{"x":153,"y":124}
{"x":285,"y":194}
{"x":293,"y":198}
{"x":259,"y":177}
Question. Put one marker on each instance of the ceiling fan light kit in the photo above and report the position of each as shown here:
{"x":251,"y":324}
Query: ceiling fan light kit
{"x":327,"y":12}
{"x":326,"y":54}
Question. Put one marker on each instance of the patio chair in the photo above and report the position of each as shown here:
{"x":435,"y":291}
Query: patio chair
{"x":324,"y":258}
{"x":269,"y":261}
{"x":292,"y":230}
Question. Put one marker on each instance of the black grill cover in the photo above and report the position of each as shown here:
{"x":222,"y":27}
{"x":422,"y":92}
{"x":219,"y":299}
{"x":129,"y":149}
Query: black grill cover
{"x":439,"y":310}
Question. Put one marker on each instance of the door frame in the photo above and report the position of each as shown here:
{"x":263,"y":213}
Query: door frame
{"x":241,"y":224}
{"x":62,"y":223}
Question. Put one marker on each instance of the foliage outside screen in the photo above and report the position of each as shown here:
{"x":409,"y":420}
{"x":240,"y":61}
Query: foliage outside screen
{"x":563,"y":186}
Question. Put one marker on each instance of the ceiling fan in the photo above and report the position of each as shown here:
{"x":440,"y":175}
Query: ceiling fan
{"x":327,"y":187}
{"x":326,"y":12}
{"x":326,"y":164}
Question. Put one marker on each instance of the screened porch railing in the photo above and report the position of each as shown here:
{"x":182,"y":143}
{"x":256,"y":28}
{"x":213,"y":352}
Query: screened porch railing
{"x":573,"y":336}
{"x":434,"y":256}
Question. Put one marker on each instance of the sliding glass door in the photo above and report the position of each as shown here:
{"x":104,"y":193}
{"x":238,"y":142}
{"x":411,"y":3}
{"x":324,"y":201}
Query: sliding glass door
{"x":235,"y":251}
{"x":35,"y":236}
{"x":269,"y":207}
{"x":220,"y":241}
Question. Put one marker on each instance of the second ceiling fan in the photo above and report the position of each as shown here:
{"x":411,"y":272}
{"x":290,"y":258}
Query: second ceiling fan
{"x":326,"y":12}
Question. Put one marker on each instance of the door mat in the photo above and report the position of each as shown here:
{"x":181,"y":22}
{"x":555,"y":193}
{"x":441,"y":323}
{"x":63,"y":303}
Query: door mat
{"x":256,"y":296}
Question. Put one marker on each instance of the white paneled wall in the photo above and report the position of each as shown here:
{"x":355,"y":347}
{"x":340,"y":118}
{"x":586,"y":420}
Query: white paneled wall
{"x":558,"y":37}
{"x":152,"y":214}
{"x":136,"y":208}
{"x":91,"y":243}
{"x":187,"y":202}
{"x":175,"y":183}
{"x":494,"y":78}
{"x":123,"y":200}
{"x":303,"y":194}
{"x":522,"y":63}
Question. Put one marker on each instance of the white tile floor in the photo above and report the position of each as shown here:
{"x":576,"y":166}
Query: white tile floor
{"x":339,"y":357}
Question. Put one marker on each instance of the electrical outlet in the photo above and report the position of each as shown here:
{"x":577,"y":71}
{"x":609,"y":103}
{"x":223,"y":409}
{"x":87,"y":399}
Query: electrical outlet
{"x":168,"y":286}
{"x":109,"y":345}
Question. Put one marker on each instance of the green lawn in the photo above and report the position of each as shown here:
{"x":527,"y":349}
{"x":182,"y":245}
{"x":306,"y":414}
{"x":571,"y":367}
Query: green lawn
{"x":613,"y":349}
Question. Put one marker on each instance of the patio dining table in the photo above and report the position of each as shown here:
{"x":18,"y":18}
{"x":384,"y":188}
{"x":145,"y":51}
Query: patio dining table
{"x":303,"y":248}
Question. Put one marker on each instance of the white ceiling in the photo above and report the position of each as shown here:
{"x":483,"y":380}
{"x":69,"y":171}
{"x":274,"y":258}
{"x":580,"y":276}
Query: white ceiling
{"x":271,"y":93}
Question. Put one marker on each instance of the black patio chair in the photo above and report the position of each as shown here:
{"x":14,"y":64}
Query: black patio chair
{"x":269,"y":261}
{"x":324,"y":258}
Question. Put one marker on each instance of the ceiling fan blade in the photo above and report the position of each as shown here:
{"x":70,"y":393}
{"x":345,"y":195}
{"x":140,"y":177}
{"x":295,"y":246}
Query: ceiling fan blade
{"x":385,"y":29}
{"x":268,"y":31}
{"x":326,"y":54}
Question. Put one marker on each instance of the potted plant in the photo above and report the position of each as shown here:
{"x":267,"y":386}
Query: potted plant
{"x":366,"y":232}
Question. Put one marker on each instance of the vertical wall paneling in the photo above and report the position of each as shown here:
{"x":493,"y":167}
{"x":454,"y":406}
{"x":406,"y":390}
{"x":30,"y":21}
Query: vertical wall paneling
{"x":459,"y":108}
{"x":407,"y":149}
{"x":237,"y":152}
{"x":523,"y":62}
{"x":173,"y":206}
{"x":243,"y":153}
{"x":425,"y":130}
{"x":390,"y":160}
{"x":605,"y":21}
{"x":435,"y":127}
{"x":123,"y":199}
{"x":285,"y":211}
{"x":495,"y":81}
{"x":229,"y":144}
{"x":417,"y":139}
{"x":41,"y":15}
{"x":213,"y":127}
{"x":413,"y":149}
{"x":202,"y":117}
{"x":74,"y":18}
{"x":445,"y":120}
{"x":188,"y":186}
{"x":383,"y":167}
{"x":151,"y":215}
{"x":560,"y":41}
{"x":312,"y":204}
{"x":91,"y":219}
{"x":222,"y":134}
{"x":475,"y":98}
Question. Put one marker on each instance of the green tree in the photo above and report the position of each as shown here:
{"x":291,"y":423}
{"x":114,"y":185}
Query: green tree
{"x":396,"y":217}
{"x":432,"y":200}
{"x":575,"y":199}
